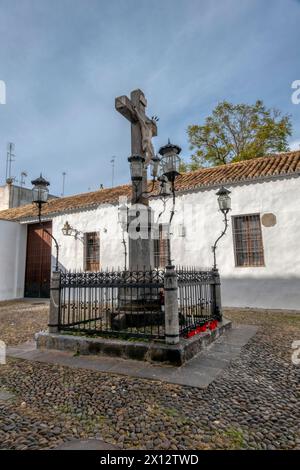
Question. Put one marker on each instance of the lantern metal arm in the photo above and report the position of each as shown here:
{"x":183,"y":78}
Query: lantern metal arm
{"x":148,"y":194}
{"x":225,"y":206}
{"x":69,"y":231}
{"x":214,"y":247}
{"x":161,"y":193}
{"x":172,"y":212}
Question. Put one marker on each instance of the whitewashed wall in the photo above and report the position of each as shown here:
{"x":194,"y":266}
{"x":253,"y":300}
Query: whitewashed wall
{"x":104,"y":220}
{"x":275,"y":285}
{"x":13,"y":238}
{"x":4,"y":197}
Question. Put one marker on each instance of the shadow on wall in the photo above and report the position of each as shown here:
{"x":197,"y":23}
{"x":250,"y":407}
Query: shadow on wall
{"x":273,"y":293}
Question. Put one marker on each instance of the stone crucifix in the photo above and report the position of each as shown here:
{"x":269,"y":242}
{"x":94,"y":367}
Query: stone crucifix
{"x":142,"y":127}
{"x":142,"y":131}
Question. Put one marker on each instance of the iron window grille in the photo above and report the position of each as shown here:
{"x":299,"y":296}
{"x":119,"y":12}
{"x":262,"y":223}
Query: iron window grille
{"x":161,"y":246}
{"x":92,"y":252}
{"x":248,"y":242}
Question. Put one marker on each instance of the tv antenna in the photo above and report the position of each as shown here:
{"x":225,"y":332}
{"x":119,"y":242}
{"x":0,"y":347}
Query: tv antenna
{"x":113,"y":170}
{"x":63,"y":182}
{"x":10,"y":157}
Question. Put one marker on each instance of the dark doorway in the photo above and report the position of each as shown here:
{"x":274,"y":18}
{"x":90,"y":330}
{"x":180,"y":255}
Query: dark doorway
{"x":38,"y":261}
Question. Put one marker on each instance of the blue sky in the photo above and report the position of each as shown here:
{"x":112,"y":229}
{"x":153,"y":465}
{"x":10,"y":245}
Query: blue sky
{"x":64,"y":61}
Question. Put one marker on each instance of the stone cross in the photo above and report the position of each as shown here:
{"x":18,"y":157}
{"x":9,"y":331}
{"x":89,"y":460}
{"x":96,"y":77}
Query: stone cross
{"x":142,"y":131}
{"x":142,"y":127}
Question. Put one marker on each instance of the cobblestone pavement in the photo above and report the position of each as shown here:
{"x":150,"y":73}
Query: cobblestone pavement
{"x":253,"y":404}
{"x":20,"y":320}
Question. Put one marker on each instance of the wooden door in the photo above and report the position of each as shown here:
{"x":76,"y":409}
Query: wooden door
{"x":38,"y":261}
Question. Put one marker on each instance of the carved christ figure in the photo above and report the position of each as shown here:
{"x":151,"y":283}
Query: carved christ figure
{"x":148,"y":130}
{"x":142,"y":127}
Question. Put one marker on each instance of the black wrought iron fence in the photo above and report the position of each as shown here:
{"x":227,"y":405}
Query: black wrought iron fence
{"x":131,"y":303}
{"x":196,"y":297}
{"x":125,"y":303}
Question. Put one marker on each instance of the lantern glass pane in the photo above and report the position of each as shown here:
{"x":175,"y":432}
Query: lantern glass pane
{"x":170,"y":164}
{"x":136,"y":169}
{"x":224,"y":202}
{"x":39,"y":194}
{"x":44,"y":194}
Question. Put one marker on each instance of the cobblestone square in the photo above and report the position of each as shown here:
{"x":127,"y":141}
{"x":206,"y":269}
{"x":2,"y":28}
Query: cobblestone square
{"x":253,"y":404}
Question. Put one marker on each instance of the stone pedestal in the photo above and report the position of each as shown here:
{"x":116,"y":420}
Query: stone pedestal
{"x":139,"y":237}
{"x":171,"y":306}
{"x":138,"y":306}
{"x":216,"y":294}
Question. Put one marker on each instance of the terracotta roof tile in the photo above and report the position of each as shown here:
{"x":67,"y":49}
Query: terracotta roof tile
{"x":272,"y":165}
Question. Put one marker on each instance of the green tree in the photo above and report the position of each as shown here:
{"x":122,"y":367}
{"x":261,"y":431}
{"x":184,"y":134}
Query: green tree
{"x":235,"y":132}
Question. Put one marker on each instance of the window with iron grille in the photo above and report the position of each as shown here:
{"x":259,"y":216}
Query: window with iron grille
{"x":92,"y":252}
{"x":248,"y":243}
{"x":161,"y":246}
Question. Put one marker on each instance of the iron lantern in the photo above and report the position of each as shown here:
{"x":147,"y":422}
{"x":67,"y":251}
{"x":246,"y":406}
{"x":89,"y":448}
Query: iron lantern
{"x":67,"y":229}
{"x":40,"y":190}
{"x":165,"y":190}
{"x":136,"y":167}
{"x":224,"y":200}
{"x":170,"y":161}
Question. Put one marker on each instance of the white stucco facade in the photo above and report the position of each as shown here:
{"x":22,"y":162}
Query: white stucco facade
{"x":103,"y":220}
{"x":13,"y":238}
{"x":196,"y":225}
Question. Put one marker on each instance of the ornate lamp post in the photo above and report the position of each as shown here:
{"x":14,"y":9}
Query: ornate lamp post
{"x":40,"y":194}
{"x":170,"y":162}
{"x":165,"y":170}
{"x":224,"y":202}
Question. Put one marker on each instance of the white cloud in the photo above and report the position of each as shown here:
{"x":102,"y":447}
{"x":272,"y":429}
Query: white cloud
{"x":295,"y":145}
